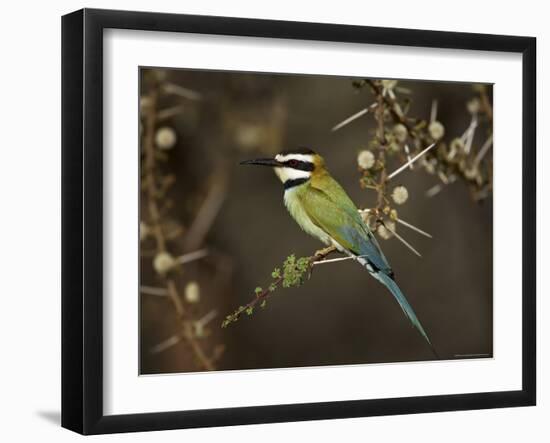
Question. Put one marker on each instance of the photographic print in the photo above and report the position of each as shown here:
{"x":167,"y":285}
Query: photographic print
{"x":291,"y":220}
{"x":255,"y":204}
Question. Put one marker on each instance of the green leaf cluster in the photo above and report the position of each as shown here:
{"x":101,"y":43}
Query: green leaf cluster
{"x":295,"y":271}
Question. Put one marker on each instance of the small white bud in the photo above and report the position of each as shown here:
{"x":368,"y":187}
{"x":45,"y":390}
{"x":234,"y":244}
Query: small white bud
{"x":473,"y":105}
{"x":429,"y":165}
{"x":165,"y":138}
{"x":436,"y":130}
{"x":160,"y":75}
{"x":400,"y":194}
{"x":192,"y":292}
{"x":199,"y":329}
{"x":366,"y":159}
{"x":249,"y":136}
{"x":471,"y":173}
{"x":385,"y":233}
{"x":144,"y":230}
{"x":400,"y":132}
{"x":163,"y":262}
{"x":145,"y":103}
{"x":369,"y":218}
{"x":394,"y":147}
{"x":478,"y":87}
{"x":389,"y":84}
{"x":456,"y":145}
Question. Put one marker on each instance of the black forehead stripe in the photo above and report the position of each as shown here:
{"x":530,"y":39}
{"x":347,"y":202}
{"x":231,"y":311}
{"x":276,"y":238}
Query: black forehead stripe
{"x":299,"y":164}
{"x":297,"y":181}
{"x":301,"y":150}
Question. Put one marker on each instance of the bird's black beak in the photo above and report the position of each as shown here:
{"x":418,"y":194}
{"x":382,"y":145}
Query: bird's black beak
{"x":263,"y":162}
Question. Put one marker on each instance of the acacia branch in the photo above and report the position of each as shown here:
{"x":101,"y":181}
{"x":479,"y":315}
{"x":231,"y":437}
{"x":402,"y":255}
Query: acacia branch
{"x":393,"y":107}
{"x":382,"y":146}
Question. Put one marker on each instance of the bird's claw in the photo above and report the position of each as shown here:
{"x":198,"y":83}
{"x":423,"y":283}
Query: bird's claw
{"x":325,"y":251}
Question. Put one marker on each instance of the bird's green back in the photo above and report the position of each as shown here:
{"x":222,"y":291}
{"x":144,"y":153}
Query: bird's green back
{"x":329,"y":207}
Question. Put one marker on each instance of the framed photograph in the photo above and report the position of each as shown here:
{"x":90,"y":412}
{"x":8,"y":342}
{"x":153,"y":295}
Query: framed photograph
{"x":269,"y":221}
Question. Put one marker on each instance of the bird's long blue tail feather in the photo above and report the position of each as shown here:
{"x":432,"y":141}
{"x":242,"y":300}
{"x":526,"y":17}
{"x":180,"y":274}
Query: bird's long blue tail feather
{"x":390,"y":283}
{"x":404,"y":304}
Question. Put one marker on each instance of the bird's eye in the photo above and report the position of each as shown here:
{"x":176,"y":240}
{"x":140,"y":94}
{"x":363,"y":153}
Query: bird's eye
{"x":293,"y":163}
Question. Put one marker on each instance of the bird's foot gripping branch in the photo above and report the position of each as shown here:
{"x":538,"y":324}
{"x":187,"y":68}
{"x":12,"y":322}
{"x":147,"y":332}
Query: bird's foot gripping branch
{"x":294,"y":272}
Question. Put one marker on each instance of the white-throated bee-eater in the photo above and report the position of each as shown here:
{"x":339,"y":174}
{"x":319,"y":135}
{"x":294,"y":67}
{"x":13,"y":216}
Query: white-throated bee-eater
{"x":324,"y":210}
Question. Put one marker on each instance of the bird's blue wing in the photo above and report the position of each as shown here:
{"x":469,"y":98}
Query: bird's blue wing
{"x":367,"y":245}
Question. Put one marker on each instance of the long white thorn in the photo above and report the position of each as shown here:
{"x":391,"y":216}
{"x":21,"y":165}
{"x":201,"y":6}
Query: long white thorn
{"x":469,"y":141}
{"x":402,"y":240}
{"x":468,"y":136}
{"x":410,"y":162}
{"x":172,"y":88}
{"x":350,"y":119}
{"x":414,"y":228}
{"x":192,"y":256}
{"x":170,"y":112}
{"x":433,"y":111}
{"x":149,"y":290}
{"x":484,"y":149}
{"x":434,"y":190}
{"x":166,"y":344}
{"x":443,"y":177}
{"x":203,"y":321}
{"x":334,"y":260}
{"x":470,"y":128}
{"x":408,"y":153}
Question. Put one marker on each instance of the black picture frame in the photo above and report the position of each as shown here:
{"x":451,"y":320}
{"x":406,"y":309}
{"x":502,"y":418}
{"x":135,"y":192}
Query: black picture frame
{"x":82,"y":220}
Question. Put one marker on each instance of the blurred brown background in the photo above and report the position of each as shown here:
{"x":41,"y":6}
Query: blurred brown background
{"x":342,"y":315}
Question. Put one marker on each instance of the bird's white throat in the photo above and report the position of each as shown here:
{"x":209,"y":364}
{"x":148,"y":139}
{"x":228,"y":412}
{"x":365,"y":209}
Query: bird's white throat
{"x":286,"y":173}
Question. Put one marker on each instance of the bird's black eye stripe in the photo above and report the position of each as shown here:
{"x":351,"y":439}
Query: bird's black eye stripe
{"x":299,"y":164}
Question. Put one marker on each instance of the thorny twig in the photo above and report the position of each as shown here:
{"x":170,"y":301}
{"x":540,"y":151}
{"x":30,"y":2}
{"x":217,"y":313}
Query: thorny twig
{"x":294,"y":272}
{"x":448,"y":162}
